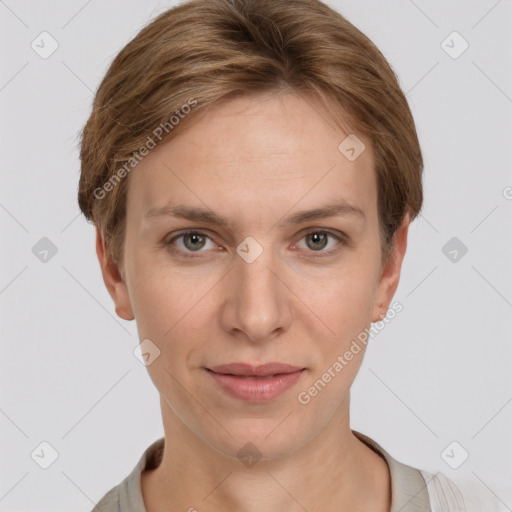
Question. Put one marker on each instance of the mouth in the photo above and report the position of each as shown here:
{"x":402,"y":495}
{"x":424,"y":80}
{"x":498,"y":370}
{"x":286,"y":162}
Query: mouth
{"x":255,"y":383}
{"x":262,"y":370}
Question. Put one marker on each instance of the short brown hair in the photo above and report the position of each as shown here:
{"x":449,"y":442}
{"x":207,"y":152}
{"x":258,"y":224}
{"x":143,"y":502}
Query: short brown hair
{"x":204,"y":51}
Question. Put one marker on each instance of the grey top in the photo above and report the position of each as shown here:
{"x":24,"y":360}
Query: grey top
{"x":408,"y":486}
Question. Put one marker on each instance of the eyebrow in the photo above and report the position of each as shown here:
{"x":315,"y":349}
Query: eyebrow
{"x":341,"y":207}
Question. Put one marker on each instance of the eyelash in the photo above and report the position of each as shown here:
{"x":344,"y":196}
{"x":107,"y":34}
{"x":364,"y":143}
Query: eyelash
{"x":322,"y":254}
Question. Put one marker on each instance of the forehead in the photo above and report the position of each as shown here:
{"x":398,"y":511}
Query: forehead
{"x":257,"y":152}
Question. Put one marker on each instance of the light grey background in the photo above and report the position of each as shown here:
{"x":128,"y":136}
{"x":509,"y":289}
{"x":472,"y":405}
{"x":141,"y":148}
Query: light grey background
{"x":438,"y":373}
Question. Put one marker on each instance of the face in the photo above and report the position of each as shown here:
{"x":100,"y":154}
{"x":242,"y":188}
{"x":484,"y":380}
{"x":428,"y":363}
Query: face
{"x":252,"y":239}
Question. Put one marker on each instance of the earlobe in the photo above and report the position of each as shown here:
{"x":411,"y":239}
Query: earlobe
{"x":113,"y":280}
{"x":390,"y":275}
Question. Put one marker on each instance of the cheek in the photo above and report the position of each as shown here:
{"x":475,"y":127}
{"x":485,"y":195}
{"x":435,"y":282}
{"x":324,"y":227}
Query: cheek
{"x":343,"y":299}
{"x":344,"y":305}
{"x":174,"y":310}
{"x":163,"y":296}
{"x":152,"y":298}
{"x":174,"y":318}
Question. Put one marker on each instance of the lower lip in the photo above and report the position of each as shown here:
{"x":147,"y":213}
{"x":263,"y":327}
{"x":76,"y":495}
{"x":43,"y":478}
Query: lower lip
{"x":256,"y":389}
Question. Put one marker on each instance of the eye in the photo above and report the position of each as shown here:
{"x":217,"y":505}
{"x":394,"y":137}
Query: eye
{"x":189,"y":242}
{"x":318,"y":240}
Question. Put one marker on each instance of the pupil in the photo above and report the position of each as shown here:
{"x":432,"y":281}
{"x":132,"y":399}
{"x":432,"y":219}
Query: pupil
{"x":319,"y":238}
{"x":195,"y":239}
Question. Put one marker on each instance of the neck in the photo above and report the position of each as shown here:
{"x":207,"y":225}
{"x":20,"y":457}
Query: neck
{"x":335,"y":470}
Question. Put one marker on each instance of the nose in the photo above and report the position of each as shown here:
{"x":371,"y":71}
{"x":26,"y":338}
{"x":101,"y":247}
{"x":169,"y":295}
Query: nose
{"x":257,"y":305}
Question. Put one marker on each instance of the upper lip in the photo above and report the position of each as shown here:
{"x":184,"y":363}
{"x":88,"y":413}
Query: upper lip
{"x":244,"y":369}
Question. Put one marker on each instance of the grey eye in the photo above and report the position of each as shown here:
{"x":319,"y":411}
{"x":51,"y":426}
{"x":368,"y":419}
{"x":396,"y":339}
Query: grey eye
{"x":318,"y":240}
{"x":195,"y":241}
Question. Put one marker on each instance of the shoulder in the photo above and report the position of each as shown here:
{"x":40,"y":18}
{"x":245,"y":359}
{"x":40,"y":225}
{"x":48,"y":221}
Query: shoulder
{"x":127,"y":496}
{"x":447,"y":495}
{"x":418,"y":490}
{"x":110,"y":502}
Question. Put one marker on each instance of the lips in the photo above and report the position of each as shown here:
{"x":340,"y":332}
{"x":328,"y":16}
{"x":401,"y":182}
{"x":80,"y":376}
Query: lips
{"x":247,"y":370}
{"x":255,"y":383}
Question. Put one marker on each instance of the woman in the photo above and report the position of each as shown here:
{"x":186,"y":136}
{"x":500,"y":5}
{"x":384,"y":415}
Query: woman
{"x":252,"y":168}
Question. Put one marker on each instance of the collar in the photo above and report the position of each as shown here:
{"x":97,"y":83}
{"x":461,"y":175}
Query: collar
{"x":408,"y":487}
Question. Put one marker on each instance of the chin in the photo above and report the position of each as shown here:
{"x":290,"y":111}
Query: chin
{"x":256,"y":439}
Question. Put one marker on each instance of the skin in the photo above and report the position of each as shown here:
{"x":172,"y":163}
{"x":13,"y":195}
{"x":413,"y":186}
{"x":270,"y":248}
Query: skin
{"x":255,"y":161}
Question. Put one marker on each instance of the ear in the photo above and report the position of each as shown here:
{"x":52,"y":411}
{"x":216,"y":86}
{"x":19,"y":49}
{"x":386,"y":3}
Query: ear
{"x":390,"y":273}
{"x":113,"y":280}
